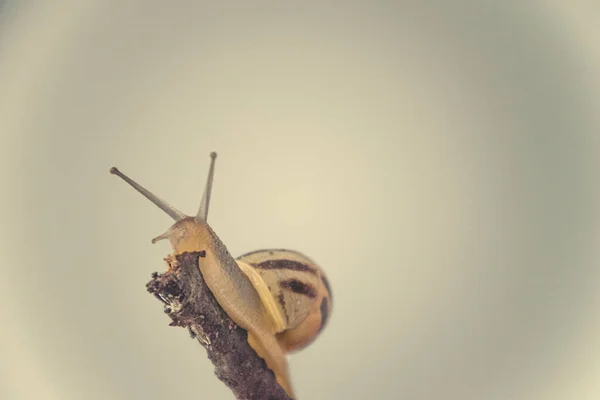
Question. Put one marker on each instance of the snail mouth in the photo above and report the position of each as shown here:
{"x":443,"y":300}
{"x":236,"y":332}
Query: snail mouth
{"x":161,"y":237}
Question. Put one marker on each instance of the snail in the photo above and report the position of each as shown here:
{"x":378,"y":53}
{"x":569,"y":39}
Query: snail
{"x":280,"y":297}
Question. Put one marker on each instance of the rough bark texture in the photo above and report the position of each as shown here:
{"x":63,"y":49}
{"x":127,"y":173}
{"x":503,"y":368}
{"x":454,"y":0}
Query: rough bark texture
{"x":189,"y":303}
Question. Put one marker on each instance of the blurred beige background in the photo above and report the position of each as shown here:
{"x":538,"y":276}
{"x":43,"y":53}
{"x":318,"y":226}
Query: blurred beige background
{"x":440,"y":161}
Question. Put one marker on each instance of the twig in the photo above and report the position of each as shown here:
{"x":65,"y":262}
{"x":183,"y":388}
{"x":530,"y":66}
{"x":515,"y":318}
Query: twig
{"x":189,"y":303}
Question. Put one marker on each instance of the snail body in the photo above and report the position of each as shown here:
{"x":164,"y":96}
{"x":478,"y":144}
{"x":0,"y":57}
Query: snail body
{"x":280,"y":297}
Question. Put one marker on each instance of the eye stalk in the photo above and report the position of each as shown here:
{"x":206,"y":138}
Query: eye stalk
{"x":163,"y":205}
{"x":169,"y":209}
{"x":203,"y":210}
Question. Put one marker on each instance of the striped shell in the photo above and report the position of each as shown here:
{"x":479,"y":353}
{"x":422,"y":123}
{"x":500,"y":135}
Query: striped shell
{"x":295,"y":292}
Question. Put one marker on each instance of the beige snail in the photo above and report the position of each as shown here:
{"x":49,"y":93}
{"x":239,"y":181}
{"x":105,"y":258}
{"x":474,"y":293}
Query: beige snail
{"x":280,"y":297}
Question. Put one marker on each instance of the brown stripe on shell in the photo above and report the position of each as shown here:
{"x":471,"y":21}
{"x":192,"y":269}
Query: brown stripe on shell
{"x":324,"y":313}
{"x":285,"y":264}
{"x":282,"y":303}
{"x":270,"y":251}
{"x":299,"y":287}
{"x":326,"y":284}
{"x":260,"y":251}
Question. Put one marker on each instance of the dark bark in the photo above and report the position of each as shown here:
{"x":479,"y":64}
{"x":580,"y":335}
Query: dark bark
{"x":189,"y":303}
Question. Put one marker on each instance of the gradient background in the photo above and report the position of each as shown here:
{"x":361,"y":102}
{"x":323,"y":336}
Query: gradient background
{"x":440,"y":161}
